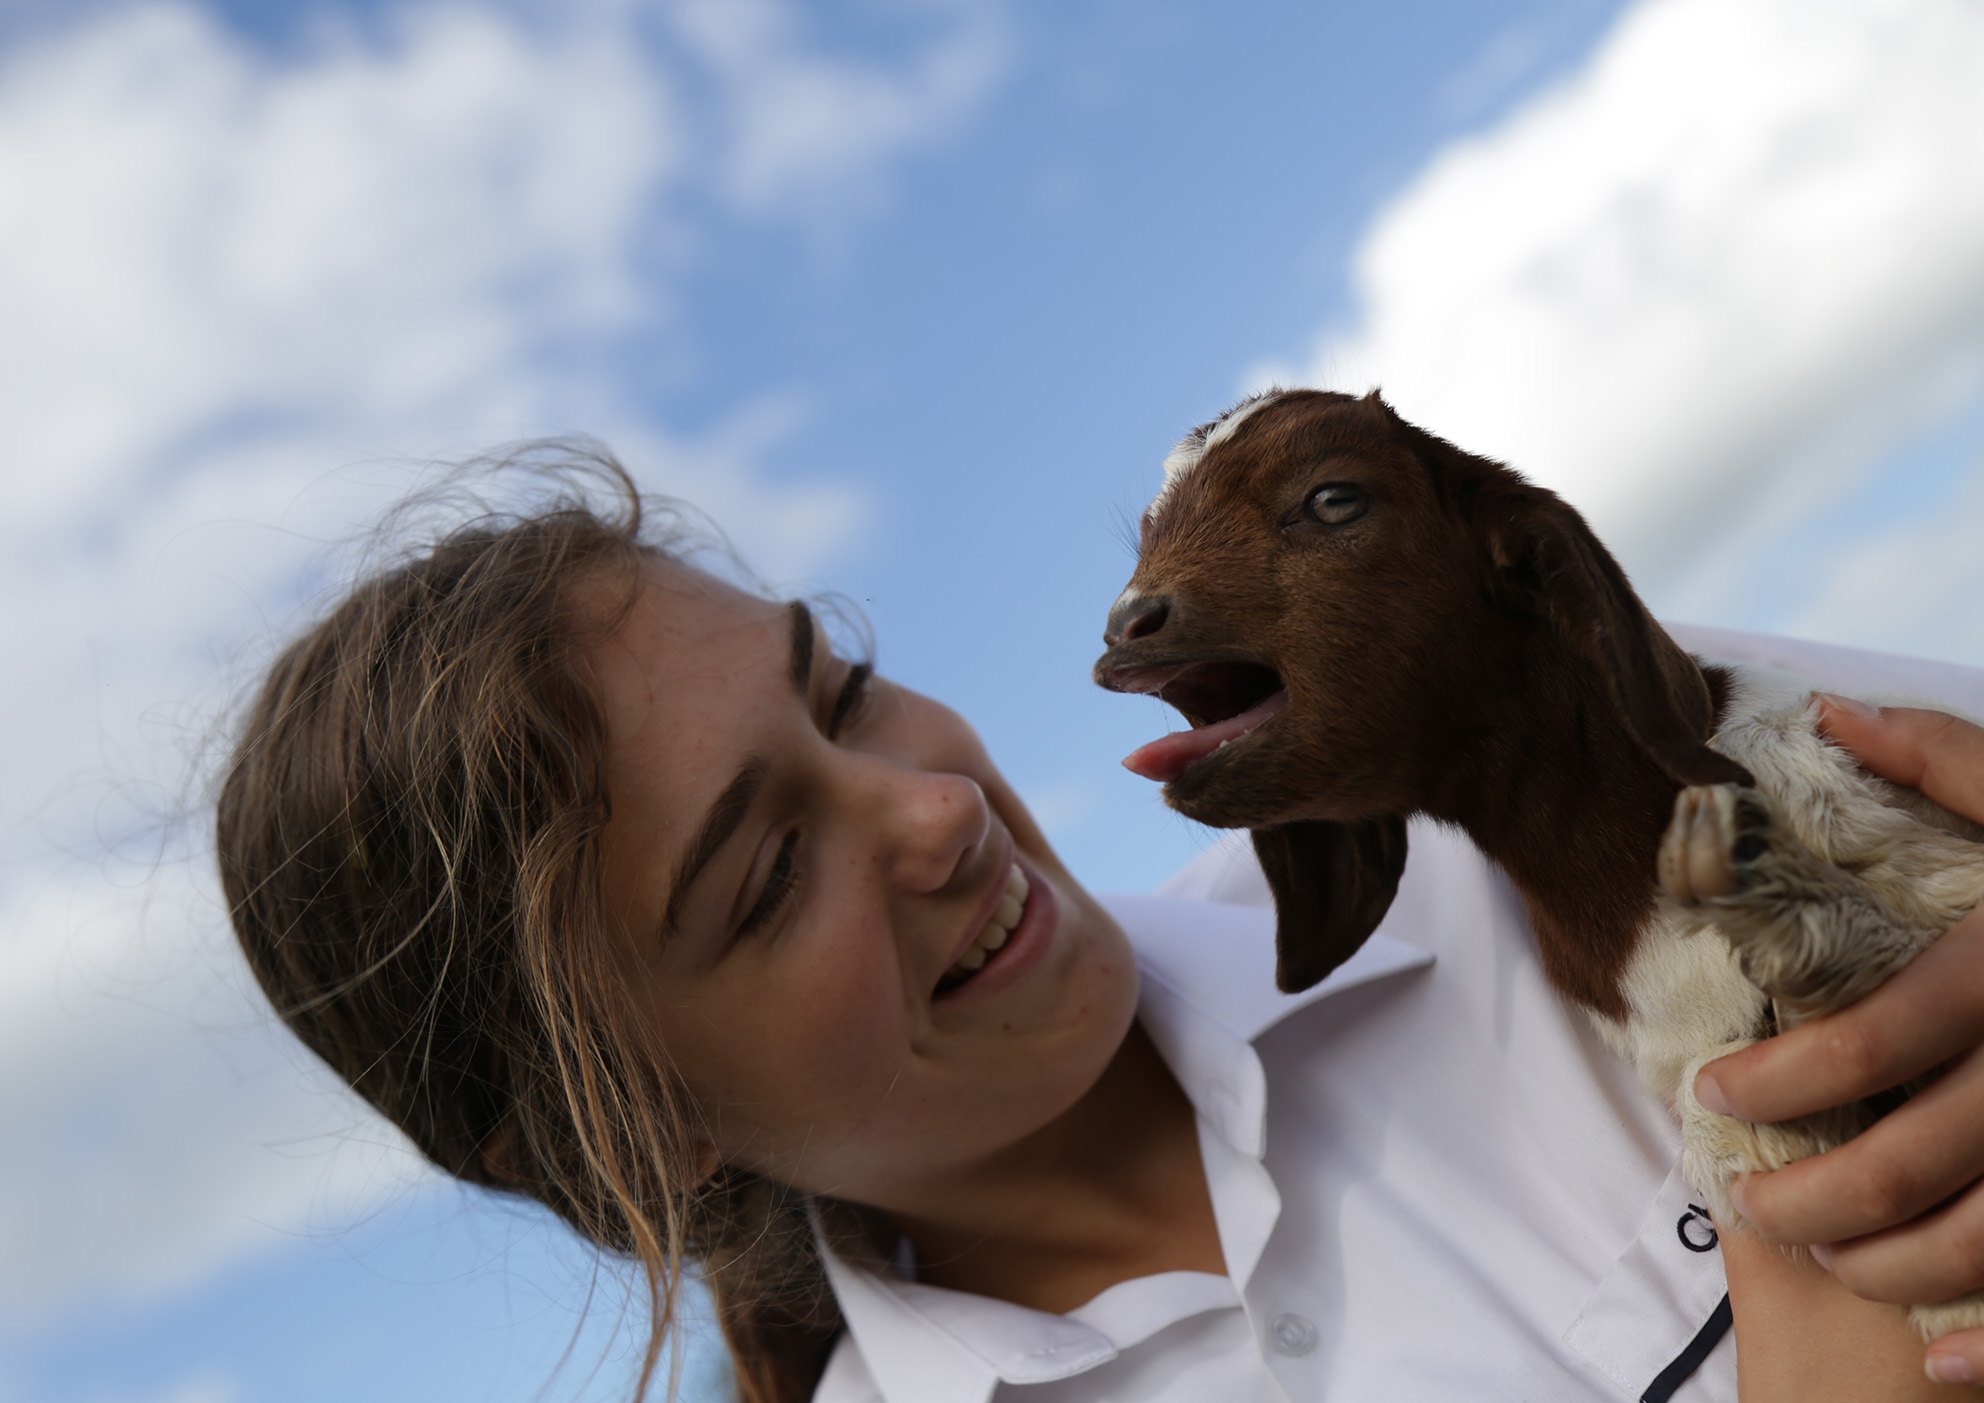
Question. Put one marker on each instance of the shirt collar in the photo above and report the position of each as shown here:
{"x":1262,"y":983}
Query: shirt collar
{"x":1225,"y":956}
{"x":925,"y":1344}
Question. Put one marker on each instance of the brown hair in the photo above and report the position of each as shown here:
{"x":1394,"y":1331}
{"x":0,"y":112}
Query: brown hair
{"x":408,"y":836}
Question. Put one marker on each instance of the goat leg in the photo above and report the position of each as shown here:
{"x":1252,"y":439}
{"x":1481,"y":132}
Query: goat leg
{"x":1812,"y":935}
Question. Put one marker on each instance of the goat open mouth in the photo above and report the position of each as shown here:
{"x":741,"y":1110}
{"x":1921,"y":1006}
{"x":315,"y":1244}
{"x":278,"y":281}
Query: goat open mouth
{"x":1224,"y":701}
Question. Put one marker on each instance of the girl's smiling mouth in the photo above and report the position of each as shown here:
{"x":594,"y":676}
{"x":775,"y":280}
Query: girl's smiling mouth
{"x":1010,"y":941}
{"x":998,"y":929}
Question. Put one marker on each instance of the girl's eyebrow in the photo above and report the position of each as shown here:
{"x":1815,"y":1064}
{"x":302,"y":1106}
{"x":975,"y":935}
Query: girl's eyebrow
{"x":802,"y":647}
{"x":718,"y":824}
{"x":730,"y":807}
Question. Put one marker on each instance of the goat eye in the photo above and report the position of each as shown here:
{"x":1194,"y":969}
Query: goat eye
{"x":1338,"y":503}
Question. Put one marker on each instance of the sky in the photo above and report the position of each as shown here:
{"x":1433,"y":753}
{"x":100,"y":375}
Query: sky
{"x":911,"y":296}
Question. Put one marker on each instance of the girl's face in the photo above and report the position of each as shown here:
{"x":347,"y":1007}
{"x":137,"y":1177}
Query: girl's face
{"x":798,"y":858}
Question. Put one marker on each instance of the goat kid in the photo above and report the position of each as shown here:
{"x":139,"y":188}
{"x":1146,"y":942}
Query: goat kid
{"x":1362,"y":623}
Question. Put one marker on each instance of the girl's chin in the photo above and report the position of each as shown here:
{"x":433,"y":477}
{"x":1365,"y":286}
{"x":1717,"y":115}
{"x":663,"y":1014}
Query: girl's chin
{"x":1099,"y":969}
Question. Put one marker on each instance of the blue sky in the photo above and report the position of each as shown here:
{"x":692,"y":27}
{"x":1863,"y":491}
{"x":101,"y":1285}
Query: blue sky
{"x":912,"y":295}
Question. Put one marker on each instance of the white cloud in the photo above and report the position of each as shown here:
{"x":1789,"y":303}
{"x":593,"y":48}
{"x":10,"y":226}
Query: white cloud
{"x":807,"y":128}
{"x":233,"y":289}
{"x":1912,"y":587}
{"x":158,"y":1122}
{"x":1699,"y":285}
{"x":371,"y":238}
{"x":219,"y":275}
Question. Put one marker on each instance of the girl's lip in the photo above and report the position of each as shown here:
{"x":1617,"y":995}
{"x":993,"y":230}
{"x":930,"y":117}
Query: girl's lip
{"x":1024,"y":948}
{"x":995,"y":889}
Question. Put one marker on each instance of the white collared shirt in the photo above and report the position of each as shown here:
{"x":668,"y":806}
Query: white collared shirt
{"x":1432,"y":1182}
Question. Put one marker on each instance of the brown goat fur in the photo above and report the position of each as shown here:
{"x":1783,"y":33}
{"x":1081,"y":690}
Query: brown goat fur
{"x":1463,"y":648}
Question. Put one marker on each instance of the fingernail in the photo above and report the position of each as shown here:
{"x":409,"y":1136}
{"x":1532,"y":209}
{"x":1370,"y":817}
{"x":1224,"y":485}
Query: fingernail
{"x":1951,"y":1369}
{"x":1852,"y":706}
{"x":1710,"y":1095}
{"x":1740,"y":1198}
{"x":1822,"y":1254}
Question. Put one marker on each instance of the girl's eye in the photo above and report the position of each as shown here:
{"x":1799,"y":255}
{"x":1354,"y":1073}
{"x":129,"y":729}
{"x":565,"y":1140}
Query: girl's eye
{"x":785,"y":873}
{"x":853,"y":692}
{"x":779,"y":883}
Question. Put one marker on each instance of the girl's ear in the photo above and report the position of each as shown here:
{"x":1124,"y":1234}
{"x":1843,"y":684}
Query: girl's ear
{"x":497,"y":1155}
{"x":1332,"y":884}
{"x":708,"y":1160}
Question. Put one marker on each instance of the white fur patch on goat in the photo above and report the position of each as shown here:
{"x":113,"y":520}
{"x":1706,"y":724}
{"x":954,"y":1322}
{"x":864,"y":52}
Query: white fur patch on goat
{"x":1229,"y":423}
{"x":1193,"y":446}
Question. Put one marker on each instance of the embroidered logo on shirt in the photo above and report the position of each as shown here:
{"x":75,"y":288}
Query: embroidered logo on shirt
{"x":1697,"y":1230}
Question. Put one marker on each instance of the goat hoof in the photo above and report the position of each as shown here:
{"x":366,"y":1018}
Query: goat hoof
{"x":1718,"y":834}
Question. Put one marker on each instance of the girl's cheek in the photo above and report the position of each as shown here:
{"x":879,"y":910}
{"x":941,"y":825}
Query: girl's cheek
{"x":855,"y":1027}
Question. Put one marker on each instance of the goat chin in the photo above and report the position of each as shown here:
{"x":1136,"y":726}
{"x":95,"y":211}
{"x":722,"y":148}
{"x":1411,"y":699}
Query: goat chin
{"x":1464,"y":647}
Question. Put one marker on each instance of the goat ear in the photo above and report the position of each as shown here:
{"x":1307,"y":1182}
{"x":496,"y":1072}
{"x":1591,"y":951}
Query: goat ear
{"x":1332,"y":884}
{"x":1544,"y":549}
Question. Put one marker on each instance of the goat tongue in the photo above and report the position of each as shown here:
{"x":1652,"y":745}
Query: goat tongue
{"x":1165,"y":759}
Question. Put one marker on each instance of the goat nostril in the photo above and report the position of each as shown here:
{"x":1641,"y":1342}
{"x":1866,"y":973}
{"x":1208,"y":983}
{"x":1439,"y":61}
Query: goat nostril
{"x":1149,"y":621}
{"x":1136,"y":618}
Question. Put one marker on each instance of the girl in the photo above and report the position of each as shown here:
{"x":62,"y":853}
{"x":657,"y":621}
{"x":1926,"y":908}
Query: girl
{"x":613,"y":885}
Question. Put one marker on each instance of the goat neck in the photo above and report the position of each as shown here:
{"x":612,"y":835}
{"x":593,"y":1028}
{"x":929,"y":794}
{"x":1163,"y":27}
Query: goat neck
{"x":1565,"y":798}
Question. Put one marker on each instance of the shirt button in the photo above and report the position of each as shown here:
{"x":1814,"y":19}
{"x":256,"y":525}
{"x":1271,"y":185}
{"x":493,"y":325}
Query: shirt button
{"x":1292,"y":1335}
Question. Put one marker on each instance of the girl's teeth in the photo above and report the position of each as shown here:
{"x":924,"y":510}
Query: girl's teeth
{"x":999,"y":929}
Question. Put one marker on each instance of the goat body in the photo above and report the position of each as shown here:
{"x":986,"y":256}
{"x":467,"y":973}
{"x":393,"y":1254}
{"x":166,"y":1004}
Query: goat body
{"x":1362,"y":623}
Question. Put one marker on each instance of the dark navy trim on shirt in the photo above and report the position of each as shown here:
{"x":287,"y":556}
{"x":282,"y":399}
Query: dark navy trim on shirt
{"x":1690,"y":1359}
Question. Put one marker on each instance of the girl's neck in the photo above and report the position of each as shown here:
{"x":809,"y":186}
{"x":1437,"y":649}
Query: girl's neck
{"x":1112,"y":1189}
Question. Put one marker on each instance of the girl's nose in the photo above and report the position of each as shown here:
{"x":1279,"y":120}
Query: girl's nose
{"x":933,"y":822}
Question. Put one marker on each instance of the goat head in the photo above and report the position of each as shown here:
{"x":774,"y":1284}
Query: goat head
{"x":1347,"y":609}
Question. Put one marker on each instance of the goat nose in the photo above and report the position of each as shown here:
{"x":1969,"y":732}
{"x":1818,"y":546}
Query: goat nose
{"x":1135,"y":616}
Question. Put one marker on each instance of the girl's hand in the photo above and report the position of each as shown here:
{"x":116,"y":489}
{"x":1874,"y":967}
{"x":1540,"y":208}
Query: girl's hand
{"x":1898,"y":1213}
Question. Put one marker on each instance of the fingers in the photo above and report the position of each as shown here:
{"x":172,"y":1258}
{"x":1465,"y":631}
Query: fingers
{"x":1897,"y":1214}
{"x":1939,"y":1256}
{"x":1930,"y":1012}
{"x":1958,"y":1358}
{"x":1926,"y":1152}
{"x":1927,"y":750}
